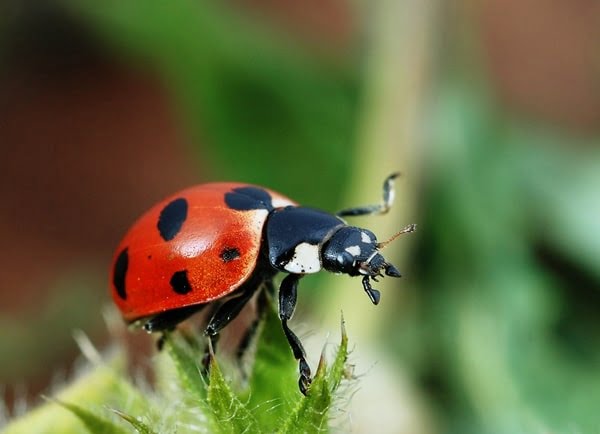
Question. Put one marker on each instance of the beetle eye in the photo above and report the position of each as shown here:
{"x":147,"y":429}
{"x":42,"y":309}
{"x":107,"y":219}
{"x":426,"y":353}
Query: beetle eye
{"x":345,"y":259}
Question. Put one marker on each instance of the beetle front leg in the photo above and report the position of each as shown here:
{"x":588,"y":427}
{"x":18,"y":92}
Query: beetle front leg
{"x":374,"y":295}
{"x":382,"y":208}
{"x":287,"y":304}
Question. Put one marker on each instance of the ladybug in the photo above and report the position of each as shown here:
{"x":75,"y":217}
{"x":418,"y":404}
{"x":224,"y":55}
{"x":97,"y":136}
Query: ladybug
{"x":218,"y":244}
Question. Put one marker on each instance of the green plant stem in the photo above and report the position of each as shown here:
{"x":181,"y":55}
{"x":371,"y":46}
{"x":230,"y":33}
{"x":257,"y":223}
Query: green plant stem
{"x":396,"y":81}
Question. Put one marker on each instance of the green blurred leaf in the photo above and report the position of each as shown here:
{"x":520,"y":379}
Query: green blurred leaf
{"x":104,"y":384}
{"x":493,"y":308}
{"x":246,"y":89}
{"x":140,"y":426}
{"x":92,"y":421}
{"x":36,"y":338}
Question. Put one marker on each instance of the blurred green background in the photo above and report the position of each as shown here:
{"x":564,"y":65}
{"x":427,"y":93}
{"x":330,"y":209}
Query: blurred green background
{"x":490,"y":109}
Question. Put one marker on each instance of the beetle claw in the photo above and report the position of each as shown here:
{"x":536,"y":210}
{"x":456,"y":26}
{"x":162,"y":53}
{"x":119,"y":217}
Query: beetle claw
{"x":373,"y":294}
{"x":304,"y":384}
{"x":392,"y":271}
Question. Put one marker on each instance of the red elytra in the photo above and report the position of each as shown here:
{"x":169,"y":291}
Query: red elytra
{"x":217,"y":248}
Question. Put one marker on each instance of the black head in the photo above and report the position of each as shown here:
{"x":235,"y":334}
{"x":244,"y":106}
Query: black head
{"x":355,"y":251}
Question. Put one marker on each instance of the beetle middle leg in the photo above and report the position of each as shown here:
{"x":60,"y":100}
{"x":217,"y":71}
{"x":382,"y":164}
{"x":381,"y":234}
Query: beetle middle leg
{"x":288,"y":295}
{"x":382,"y":208}
{"x":262,"y":304}
{"x":224,"y":314}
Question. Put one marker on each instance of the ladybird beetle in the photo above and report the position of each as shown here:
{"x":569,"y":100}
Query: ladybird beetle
{"x":218,"y":244}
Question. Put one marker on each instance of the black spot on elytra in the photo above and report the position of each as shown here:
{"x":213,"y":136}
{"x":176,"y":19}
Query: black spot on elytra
{"x":120,"y":273}
{"x":180,"y":283}
{"x":248,"y":198}
{"x":229,"y":254}
{"x":171,"y":218}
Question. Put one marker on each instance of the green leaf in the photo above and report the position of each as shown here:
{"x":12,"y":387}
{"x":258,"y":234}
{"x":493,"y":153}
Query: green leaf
{"x":230,"y":415}
{"x":140,"y":426}
{"x":312,"y":412}
{"x":187,"y":369}
{"x":273,"y":382}
{"x":92,"y":421}
{"x":338,"y":369}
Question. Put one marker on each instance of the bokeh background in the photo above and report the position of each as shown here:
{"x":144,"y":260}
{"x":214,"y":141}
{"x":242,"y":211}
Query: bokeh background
{"x":490,"y":109}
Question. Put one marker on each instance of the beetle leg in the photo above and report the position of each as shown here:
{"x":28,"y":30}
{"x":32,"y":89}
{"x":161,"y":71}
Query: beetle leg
{"x":167,"y":321}
{"x":262,"y":303}
{"x":374,"y":295}
{"x":287,"y":304}
{"x":226,"y":313}
{"x":215,"y":307}
{"x":382,"y":208}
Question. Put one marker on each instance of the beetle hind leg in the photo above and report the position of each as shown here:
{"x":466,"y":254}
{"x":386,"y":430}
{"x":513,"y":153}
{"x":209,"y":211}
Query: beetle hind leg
{"x":167,"y":321}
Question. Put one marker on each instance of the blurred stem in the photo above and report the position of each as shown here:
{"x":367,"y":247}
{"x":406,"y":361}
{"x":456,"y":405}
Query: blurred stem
{"x":388,"y":136}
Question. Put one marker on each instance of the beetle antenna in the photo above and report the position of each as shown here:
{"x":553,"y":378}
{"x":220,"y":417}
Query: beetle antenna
{"x":407,"y":229}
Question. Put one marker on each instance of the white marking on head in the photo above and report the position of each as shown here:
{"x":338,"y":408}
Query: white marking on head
{"x":305,"y":260}
{"x":353,"y":250}
{"x":279,"y":202}
{"x":365,"y":238}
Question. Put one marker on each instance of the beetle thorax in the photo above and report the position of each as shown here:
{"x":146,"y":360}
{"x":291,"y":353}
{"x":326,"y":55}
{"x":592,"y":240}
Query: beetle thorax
{"x":295,"y":237}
